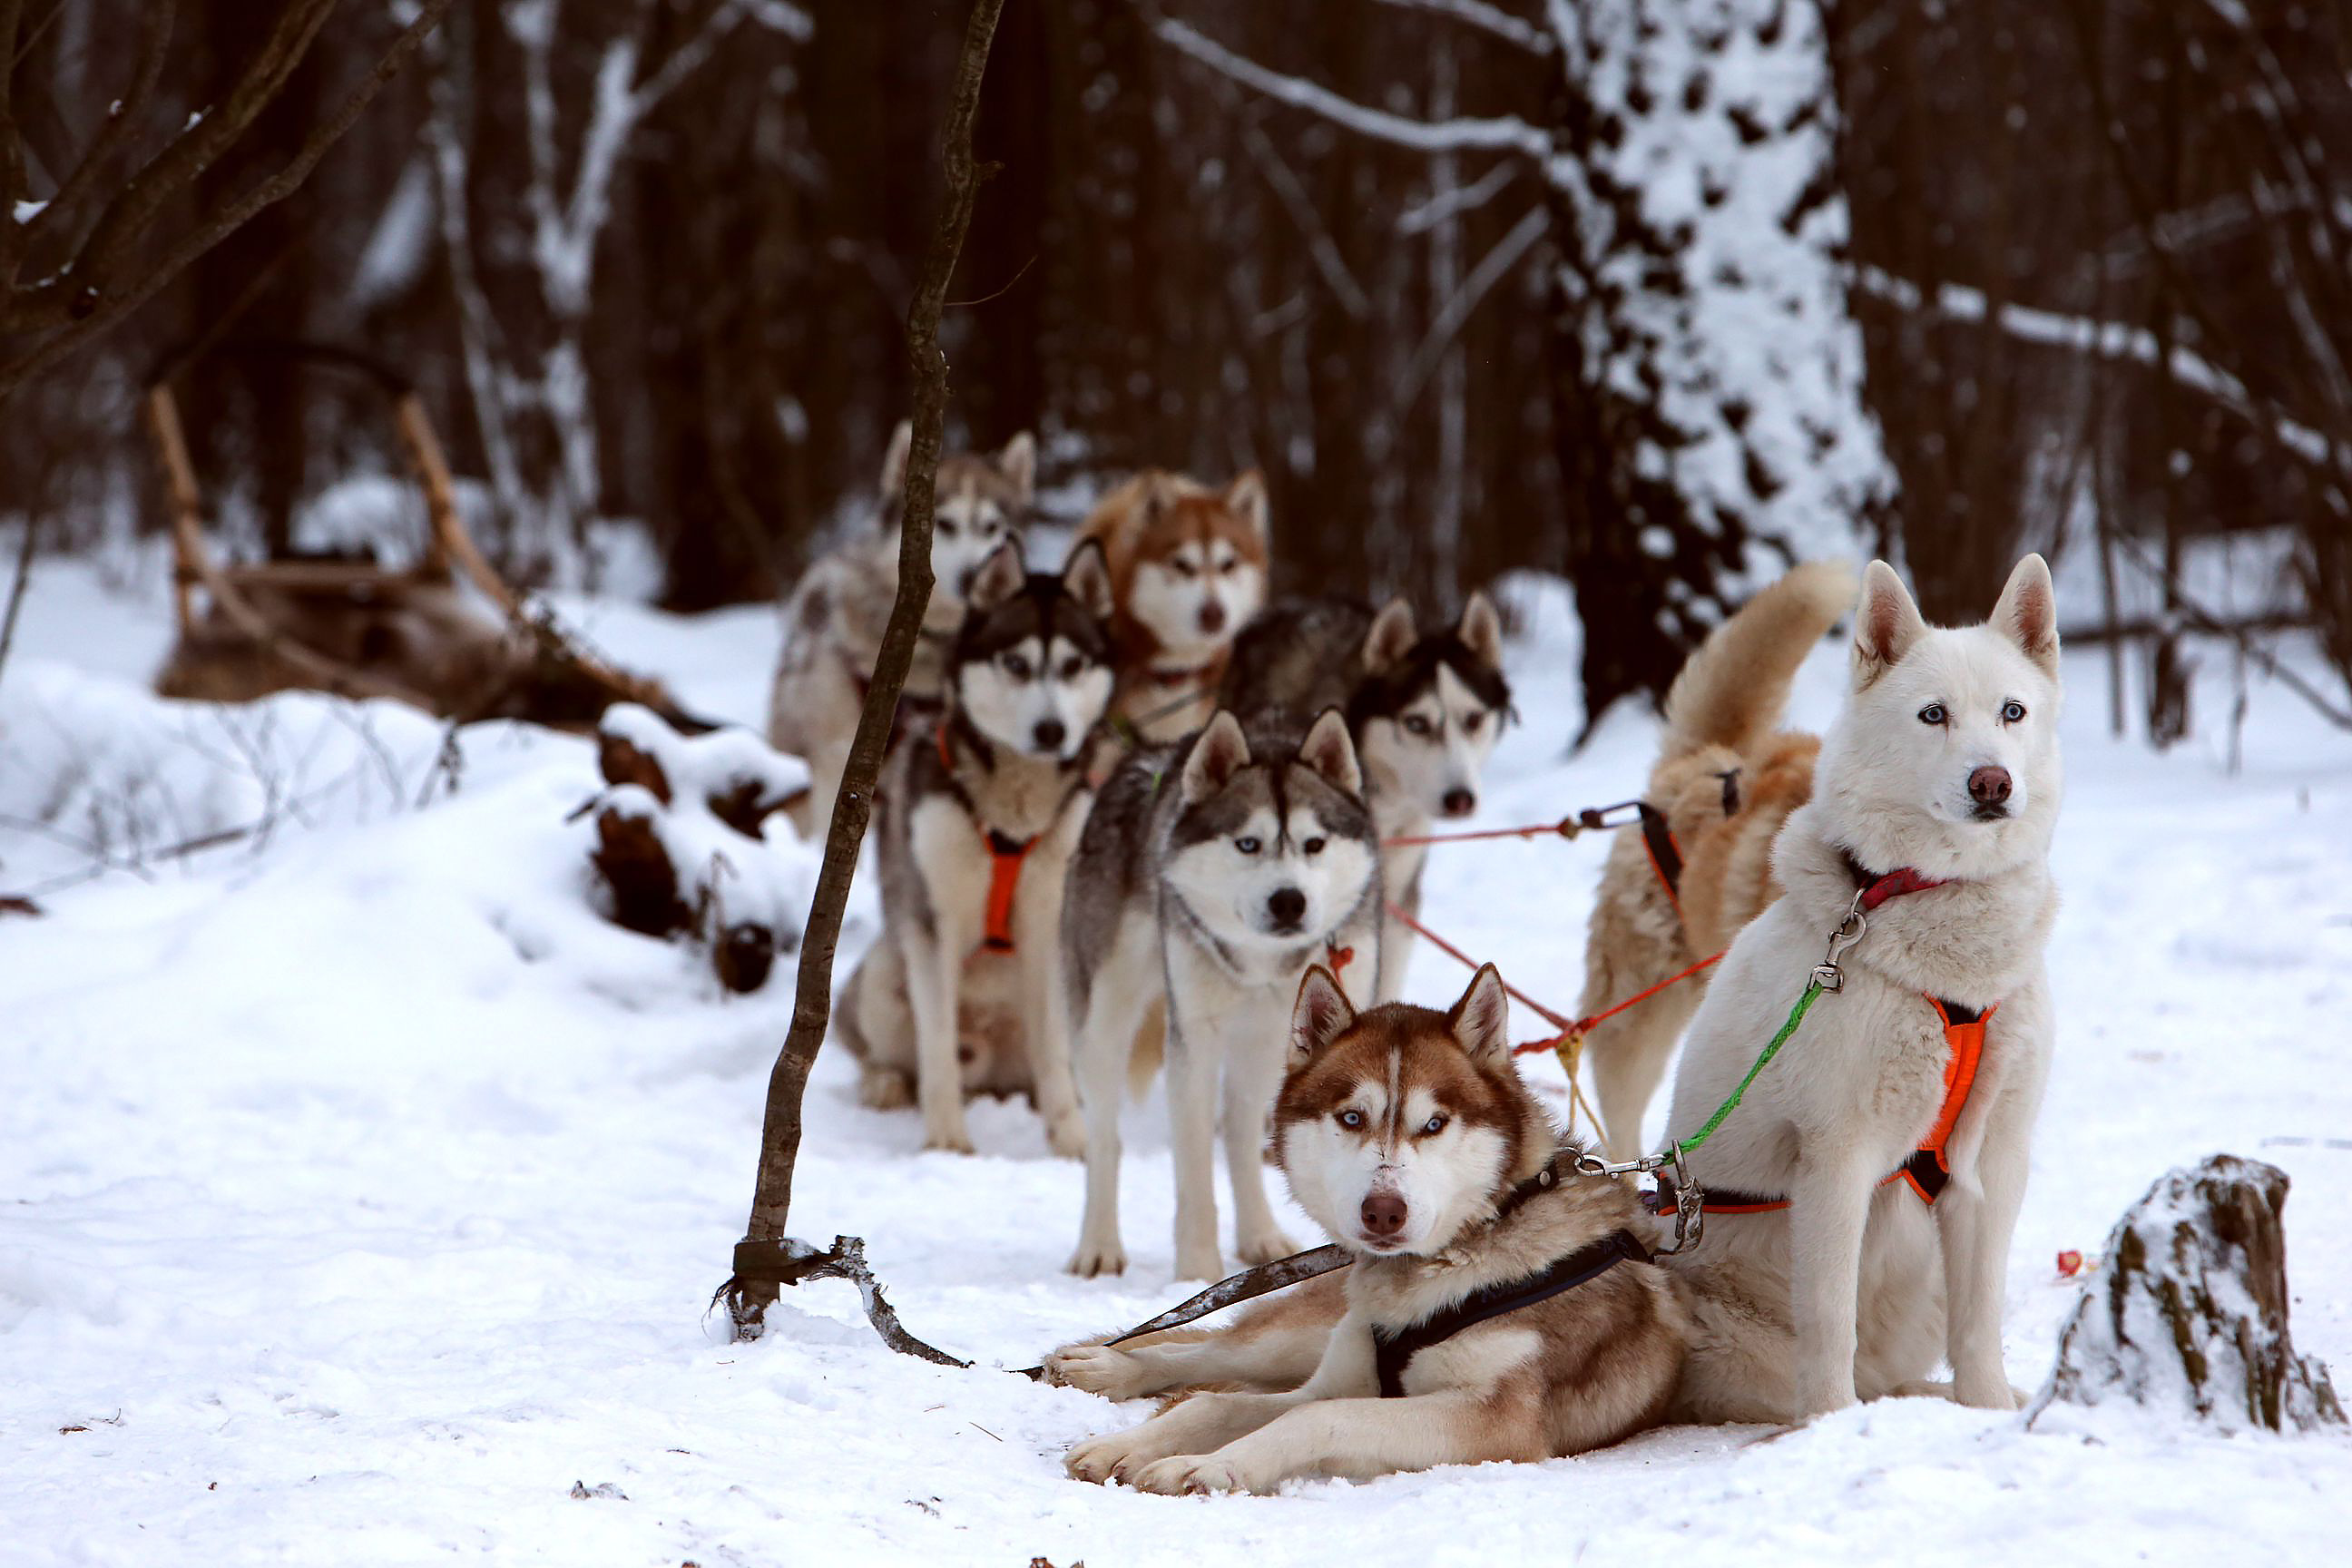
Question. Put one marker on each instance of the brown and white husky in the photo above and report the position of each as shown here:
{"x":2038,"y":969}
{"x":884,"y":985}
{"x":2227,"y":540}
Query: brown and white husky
{"x":1496,"y":1306}
{"x":835,"y":618}
{"x":1188,"y":567}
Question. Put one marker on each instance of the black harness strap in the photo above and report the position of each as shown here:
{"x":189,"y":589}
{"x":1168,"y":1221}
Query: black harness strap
{"x":1665,"y":855}
{"x":1394,"y":1352}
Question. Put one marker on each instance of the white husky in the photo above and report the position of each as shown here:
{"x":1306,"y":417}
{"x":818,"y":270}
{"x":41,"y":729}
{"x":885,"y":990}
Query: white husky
{"x":1936,"y":792}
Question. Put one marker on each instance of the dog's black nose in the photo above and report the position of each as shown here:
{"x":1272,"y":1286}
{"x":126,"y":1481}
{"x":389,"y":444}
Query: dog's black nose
{"x":1383,"y":1216}
{"x":1988,"y":786}
{"x":1212,"y":617}
{"x":1287,"y":905}
{"x":1049,"y":733}
{"x":1459,"y":803}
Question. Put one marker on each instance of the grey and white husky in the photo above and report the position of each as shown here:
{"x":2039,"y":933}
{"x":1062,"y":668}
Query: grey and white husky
{"x":1424,"y":712}
{"x":1210,"y":876}
{"x":979,"y":813}
{"x":835,"y":618}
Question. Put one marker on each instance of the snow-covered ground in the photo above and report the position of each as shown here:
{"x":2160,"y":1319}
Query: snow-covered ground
{"x":360,"y":1190}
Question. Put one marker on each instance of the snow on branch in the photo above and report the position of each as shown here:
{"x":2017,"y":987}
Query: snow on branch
{"x":1502,"y":134}
{"x":2105,"y":340}
{"x":1448,"y":203}
{"x":1491,"y":20}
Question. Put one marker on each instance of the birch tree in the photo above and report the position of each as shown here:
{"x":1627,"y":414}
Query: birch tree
{"x":586,"y":77}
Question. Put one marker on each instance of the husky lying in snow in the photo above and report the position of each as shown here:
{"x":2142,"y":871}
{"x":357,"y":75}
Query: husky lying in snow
{"x":835,"y":618}
{"x":1497,"y":1307}
{"x":1424,"y":713}
{"x":979,"y":814}
{"x":1936,"y":791}
{"x":1210,"y":876}
{"x":1825,"y":1279}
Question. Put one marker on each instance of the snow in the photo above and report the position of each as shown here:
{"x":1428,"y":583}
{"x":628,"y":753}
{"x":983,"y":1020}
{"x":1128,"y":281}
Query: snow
{"x":365,"y":1190}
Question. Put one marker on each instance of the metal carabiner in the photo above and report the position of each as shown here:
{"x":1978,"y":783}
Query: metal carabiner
{"x":1851,"y":930}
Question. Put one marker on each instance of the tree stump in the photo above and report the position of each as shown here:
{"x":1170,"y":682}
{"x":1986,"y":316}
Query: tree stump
{"x":2189,"y":1317}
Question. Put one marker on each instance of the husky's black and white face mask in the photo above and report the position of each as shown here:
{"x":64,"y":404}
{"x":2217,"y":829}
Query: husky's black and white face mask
{"x":1430,"y":709}
{"x":1033,"y":664}
{"x":1272,"y":851}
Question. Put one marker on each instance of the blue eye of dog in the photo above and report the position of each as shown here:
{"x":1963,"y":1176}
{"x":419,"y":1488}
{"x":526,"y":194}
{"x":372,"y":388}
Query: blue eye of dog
{"x":2011,"y":712}
{"x":1433,"y":1126}
{"x":1932,"y":714}
{"x":1414,"y":725}
{"x":1352,"y":1119}
{"x":1313,"y":847}
{"x":1246,"y":845}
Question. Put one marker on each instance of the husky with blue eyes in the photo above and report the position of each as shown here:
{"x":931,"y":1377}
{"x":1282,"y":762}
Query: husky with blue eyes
{"x":1424,"y":709}
{"x":979,"y":813}
{"x":1211,"y":876}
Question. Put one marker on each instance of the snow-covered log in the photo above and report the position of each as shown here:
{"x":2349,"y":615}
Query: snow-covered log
{"x":2189,"y":1317}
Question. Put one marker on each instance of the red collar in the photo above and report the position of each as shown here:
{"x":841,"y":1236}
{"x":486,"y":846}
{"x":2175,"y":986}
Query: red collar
{"x":1877,"y":887}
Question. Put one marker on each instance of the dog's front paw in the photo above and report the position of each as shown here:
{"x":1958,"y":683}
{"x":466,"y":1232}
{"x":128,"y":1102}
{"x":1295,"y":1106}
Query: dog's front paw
{"x":945,"y":1131}
{"x":1265,"y":1247}
{"x":1095,"y":1258}
{"x":1098,"y":1368}
{"x":1114,"y":1456}
{"x":1997,"y":1396}
{"x":1186,"y":1473}
{"x":1067,"y":1135}
{"x":885,"y":1089}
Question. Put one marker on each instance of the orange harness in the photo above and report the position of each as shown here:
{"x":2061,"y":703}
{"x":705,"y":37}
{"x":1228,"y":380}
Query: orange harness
{"x":1006,"y":857}
{"x":1929,"y":1168}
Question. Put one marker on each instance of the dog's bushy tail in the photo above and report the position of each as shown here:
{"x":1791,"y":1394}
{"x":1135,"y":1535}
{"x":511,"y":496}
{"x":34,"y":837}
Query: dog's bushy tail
{"x":1732,"y":690}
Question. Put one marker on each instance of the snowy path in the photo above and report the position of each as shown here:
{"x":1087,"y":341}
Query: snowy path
{"x":359,"y":1195}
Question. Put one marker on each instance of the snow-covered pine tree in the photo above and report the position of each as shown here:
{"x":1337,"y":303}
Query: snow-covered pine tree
{"x":1710,"y":418}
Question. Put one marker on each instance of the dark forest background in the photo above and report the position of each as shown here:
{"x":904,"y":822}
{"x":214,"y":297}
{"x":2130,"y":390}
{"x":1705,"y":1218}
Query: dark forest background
{"x":648,"y":259}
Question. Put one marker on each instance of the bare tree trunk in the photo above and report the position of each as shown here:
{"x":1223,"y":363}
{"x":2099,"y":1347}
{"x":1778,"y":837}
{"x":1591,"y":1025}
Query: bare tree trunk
{"x":764,"y":1259}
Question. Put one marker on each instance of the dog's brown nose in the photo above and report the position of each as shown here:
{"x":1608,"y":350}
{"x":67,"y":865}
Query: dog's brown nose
{"x":1988,"y":786}
{"x":1213,"y":617}
{"x":1383,"y":1216}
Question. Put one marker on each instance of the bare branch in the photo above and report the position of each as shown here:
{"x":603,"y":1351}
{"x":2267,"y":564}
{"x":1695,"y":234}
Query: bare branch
{"x":1502,"y":134}
{"x":49,"y":230}
{"x":1423,"y":216}
{"x":780,"y":1137}
{"x":1491,"y":20}
{"x":1492,"y":269}
{"x":16,"y":590}
{"x":1321,"y":248}
{"x":106,"y":306}
{"x":2111,"y":340}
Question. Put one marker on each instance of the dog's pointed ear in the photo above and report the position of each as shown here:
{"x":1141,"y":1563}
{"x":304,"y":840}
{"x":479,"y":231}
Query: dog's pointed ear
{"x":1018,"y":464}
{"x":1321,"y":1014}
{"x":894,"y":459}
{"x":1330,"y":751}
{"x":1391,"y":636}
{"x":2028,"y":614}
{"x":1481,"y":1021}
{"x":1222,"y":751}
{"x":1000,"y":577}
{"x":1886,"y":625}
{"x":1480,"y":630}
{"x":1086,"y":577}
{"x":1245,"y":499}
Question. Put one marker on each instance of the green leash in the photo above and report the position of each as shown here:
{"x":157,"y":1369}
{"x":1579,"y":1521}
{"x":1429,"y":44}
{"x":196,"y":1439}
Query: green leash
{"x":1796,"y":1017}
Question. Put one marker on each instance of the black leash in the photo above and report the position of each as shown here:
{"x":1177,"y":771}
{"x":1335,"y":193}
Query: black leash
{"x":1394,"y":1352}
{"x":1300,"y":1267}
{"x":1248,"y":1286}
